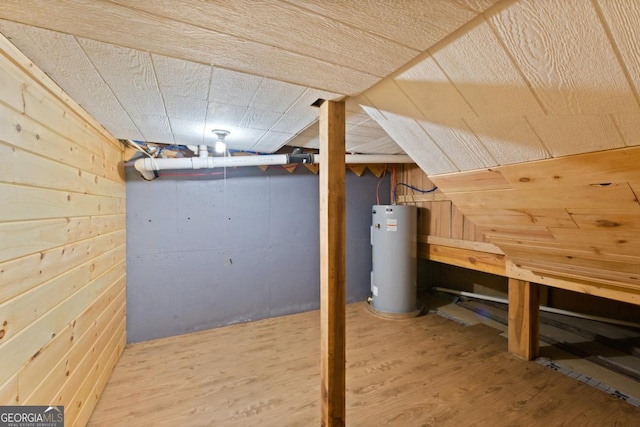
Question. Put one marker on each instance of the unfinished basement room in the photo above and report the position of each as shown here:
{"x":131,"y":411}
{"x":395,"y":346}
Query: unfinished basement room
{"x":329,"y":213}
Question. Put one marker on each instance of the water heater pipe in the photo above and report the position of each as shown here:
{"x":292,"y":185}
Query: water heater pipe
{"x":148,"y":166}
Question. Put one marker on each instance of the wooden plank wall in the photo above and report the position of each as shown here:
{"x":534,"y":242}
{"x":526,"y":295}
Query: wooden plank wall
{"x":438,"y":217}
{"x":62,"y":245}
{"x":444,"y":233}
{"x":572,"y":218}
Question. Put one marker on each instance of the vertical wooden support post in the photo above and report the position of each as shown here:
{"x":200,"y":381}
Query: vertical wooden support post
{"x":332,"y":262}
{"x":524,"y":316}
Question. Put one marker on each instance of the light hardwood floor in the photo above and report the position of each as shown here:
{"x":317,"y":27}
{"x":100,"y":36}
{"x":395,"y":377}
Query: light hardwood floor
{"x":427,"y":371}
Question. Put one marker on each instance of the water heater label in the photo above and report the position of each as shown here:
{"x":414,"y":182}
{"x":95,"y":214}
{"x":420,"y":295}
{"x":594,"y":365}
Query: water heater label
{"x":392,"y":224}
{"x":374,"y":290}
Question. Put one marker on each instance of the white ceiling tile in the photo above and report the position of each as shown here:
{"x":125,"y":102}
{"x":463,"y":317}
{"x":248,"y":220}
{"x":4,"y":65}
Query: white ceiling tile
{"x":186,"y":108}
{"x":243,"y":138}
{"x":116,"y":121}
{"x":308,"y":138}
{"x":271,"y":142}
{"x":398,"y":116}
{"x":566,"y":56}
{"x":301,"y":113}
{"x":372,"y":130}
{"x":357,"y":139}
{"x":187,"y":127}
{"x":154,"y":128}
{"x":460,"y":145}
{"x":384,"y":145}
{"x":231,"y":87}
{"x":184,"y":79}
{"x":508,"y":139}
{"x":276,"y":96}
{"x":427,"y":86}
{"x":566,"y":135}
{"x":413,"y":139}
{"x":224,"y":115}
{"x":259,"y":119}
{"x":129,"y":74}
{"x":71,"y":69}
{"x":485,"y":75}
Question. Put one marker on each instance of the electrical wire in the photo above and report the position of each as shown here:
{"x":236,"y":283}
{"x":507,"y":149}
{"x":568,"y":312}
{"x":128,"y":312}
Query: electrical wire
{"x":378,"y":186}
{"x":395,"y":188}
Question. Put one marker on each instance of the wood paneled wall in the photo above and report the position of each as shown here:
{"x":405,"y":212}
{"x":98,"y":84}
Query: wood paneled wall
{"x":62,"y":245}
{"x":573,"y":218}
{"x":438,"y":217}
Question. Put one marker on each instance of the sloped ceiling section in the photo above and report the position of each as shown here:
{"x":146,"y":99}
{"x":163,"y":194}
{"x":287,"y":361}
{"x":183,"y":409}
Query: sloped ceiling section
{"x":528,"y":80}
{"x":171,"y":71}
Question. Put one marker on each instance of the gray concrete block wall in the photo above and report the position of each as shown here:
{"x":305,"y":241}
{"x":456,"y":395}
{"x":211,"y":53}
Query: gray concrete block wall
{"x":204,"y":252}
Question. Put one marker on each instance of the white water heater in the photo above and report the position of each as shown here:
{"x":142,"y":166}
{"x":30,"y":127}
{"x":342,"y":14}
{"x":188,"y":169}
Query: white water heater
{"x":394,"y":246}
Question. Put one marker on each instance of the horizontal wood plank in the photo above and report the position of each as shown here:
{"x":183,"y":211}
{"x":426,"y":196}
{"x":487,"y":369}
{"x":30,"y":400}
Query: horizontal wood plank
{"x":466,"y":258}
{"x":560,"y":197}
{"x":21,"y":311}
{"x":28,"y":237}
{"x":74,"y":339}
{"x":488,"y":179}
{"x":22,"y":274}
{"x":24,"y":133}
{"x":29,"y":203}
{"x":24,"y":345}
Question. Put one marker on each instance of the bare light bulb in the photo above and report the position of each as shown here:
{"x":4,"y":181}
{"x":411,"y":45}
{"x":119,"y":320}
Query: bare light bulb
{"x":220,"y":147}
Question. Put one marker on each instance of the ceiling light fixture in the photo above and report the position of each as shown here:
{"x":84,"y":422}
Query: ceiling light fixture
{"x":220,"y":146}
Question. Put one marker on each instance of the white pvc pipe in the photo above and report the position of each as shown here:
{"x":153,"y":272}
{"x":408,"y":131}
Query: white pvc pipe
{"x":147,"y":166}
{"x":542,"y":308}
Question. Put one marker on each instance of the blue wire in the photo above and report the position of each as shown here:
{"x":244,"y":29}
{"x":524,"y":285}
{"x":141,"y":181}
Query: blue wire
{"x":395,"y":189}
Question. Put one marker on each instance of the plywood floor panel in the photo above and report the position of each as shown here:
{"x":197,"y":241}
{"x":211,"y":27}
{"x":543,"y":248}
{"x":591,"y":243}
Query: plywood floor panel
{"x":423,"y":371}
